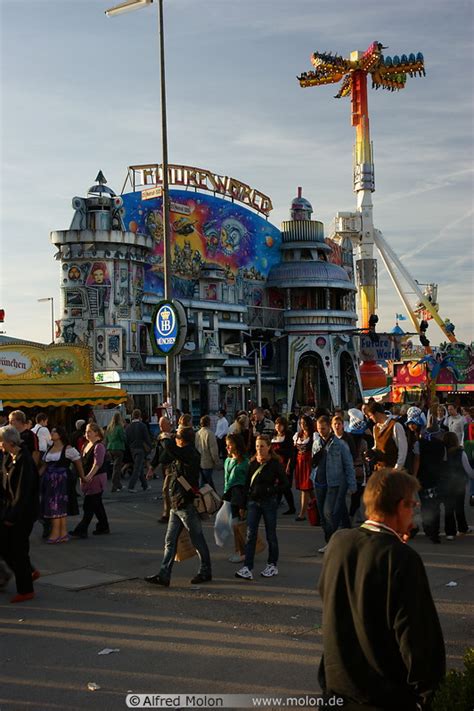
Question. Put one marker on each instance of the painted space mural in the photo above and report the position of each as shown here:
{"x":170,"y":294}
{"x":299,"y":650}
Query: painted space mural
{"x":206,"y":231}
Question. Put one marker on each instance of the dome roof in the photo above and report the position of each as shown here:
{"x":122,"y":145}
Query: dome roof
{"x":101,"y":188}
{"x":311,"y":274}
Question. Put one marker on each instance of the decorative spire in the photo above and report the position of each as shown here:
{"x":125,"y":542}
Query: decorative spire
{"x":100,"y":178}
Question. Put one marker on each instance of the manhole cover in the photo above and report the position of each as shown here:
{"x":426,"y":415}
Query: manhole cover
{"x":80,"y":579}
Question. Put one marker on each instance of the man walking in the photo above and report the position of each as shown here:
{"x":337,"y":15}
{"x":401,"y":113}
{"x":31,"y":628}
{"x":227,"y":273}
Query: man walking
{"x":382,"y":640}
{"x":17,"y":419}
{"x":165,"y":434}
{"x":139,"y":442}
{"x":222,"y":427}
{"x":333,"y":476}
{"x":182,"y":460}
{"x":206,"y":445}
{"x":391,"y":446}
{"x":42,"y":432}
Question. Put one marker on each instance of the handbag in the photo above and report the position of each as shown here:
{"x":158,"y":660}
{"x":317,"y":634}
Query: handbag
{"x":241,"y":535}
{"x":206,"y":500}
{"x":185,"y":548}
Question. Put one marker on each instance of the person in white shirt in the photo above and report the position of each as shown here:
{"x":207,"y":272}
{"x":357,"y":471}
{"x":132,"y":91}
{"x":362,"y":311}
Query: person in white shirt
{"x":42,"y":432}
{"x":391,"y":446}
{"x":455,"y":423}
{"x":222,"y":427}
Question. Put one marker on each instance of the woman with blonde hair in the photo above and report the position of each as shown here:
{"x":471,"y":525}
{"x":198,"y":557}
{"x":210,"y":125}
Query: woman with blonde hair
{"x":115,"y":442}
{"x":93,"y":484}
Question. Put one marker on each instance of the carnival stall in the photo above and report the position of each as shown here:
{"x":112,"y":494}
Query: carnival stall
{"x":35,"y":376}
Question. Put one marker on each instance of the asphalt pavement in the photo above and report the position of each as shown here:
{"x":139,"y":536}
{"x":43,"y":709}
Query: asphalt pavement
{"x":227,"y":636}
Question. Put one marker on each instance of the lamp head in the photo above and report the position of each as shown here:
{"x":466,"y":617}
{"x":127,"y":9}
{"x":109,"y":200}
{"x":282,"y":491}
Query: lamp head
{"x":127,"y":7}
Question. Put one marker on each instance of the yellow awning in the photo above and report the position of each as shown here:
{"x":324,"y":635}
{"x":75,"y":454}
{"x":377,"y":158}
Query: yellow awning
{"x":59,"y":395}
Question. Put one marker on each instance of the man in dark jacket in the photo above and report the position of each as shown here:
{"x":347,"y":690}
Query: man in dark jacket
{"x":139,"y":442}
{"x":382,"y":641}
{"x":182,"y":461}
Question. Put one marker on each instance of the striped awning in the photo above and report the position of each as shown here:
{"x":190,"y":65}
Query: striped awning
{"x":59,"y":395}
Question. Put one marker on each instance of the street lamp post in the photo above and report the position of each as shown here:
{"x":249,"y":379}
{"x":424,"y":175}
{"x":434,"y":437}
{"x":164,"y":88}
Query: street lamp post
{"x":51,"y":299}
{"x":171,"y":385}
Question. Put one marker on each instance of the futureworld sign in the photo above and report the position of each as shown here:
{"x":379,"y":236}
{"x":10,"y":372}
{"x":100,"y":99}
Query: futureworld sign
{"x":199,"y":179}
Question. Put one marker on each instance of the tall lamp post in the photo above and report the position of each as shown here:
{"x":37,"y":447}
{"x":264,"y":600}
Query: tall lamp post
{"x":117,"y":10}
{"x":51,"y":299}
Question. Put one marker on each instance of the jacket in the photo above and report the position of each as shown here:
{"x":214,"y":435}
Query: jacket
{"x":339,"y":466}
{"x":137,"y":436}
{"x":235,"y":472}
{"x":19,"y":493}
{"x":181,"y":462}
{"x":206,"y":444}
{"x":382,"y":640}
{"x":115,"y":439}
{"x":269,"y":482}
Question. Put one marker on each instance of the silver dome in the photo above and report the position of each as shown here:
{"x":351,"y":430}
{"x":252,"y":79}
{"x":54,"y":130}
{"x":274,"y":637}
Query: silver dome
{"x":309,"y":274}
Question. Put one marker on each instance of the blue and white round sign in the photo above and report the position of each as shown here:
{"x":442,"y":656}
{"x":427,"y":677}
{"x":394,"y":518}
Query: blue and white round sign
{"x":166,"y":327}
{"x":169,"y":327}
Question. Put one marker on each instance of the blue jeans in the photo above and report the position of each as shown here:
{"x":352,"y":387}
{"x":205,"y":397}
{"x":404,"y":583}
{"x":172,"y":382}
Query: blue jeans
{"x":185,"y":518}
{"x":331,"y":502}
{"x":138,"y":456}
{"x":255,"y":510}
{"x":206,"y":477}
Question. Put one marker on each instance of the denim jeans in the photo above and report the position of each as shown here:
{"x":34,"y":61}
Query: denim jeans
{"x":138,"y":456}
{"x":255,"y":510}
{"x":206,"y":477}
{"x":185,"y":518}
{"x":331,"y":502}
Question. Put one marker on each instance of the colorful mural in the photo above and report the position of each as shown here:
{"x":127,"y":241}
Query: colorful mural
{"x":205,"y":230}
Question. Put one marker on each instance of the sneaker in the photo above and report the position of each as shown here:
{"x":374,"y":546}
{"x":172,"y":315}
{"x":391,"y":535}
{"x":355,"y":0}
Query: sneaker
{"x":450,"y":538}
{"x":236,"y":558}
{"x":101,"y":531}
{"x":131,"y":491}
{"x":323,"y":549}
{"x":117,"y":488}
{"x":269,"y":571}
{"x":244,"y":573}
{"x":35,"y":575}
{"x":464,"y":533}
{"x":290,"y":512}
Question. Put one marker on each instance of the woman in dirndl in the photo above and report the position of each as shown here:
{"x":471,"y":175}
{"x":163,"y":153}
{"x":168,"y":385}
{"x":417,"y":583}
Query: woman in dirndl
{"x":54,"y":483}
{"x":303,"y":442}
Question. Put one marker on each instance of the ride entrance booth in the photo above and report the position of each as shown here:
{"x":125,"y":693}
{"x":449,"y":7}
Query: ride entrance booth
{"x":57,"y":379}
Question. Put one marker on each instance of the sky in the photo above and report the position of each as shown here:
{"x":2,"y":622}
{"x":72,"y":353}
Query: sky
{"x":80,"y":93}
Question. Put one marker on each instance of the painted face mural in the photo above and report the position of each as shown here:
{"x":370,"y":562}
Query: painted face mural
{"x":205,"y":230}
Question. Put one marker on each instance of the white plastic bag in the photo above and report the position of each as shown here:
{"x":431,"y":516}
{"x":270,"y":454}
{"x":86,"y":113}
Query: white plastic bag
{"x":223,"y":524}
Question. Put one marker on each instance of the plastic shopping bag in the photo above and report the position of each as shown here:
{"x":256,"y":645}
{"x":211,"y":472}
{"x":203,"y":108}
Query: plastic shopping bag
{"x":223,"y":524}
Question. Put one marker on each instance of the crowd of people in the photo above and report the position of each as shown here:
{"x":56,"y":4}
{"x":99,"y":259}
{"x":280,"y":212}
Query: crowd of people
{"x":318,"y":462}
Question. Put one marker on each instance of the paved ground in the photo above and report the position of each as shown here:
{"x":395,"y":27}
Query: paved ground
{"x":228,"y":636}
